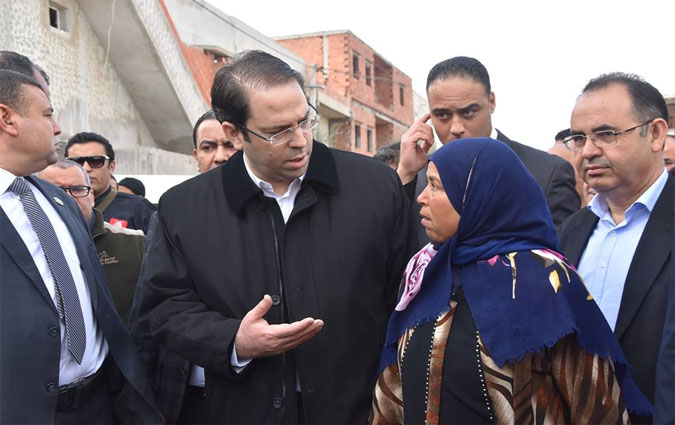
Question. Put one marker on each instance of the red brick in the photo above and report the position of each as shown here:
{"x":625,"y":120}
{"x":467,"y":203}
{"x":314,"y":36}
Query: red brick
{"x":381,"y":96}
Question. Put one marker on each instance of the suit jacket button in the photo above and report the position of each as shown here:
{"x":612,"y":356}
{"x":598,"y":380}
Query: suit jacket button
{"x":51,"y":387}
{"x":277,"y":403}
{"x":276,"y":300}
{"x":53,"y":331}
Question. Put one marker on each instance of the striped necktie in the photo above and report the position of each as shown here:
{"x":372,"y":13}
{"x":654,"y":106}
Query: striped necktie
{"x":67,"y":300}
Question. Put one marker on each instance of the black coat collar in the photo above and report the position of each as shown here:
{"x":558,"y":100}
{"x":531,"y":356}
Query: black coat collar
{"x":239,"y":188}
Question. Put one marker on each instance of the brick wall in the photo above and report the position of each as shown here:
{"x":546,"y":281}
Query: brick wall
{"x":670,"y":103}
{"x":337,"y":76}
{"x":366,"y":120}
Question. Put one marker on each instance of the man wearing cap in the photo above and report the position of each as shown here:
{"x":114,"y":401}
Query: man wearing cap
{"x":132,"y":186}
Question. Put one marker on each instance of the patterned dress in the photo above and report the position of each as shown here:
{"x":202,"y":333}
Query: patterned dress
{"x":562,"y":384}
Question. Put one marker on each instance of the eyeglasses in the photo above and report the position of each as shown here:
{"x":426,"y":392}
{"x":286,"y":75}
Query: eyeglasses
{"x":285,"y":136}
{"x":601,"y":139}
{"x":96,"y":161}
{"x":77,"y":191}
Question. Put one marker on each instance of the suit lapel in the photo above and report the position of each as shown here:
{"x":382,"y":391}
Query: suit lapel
{"x":581,"y":230}
{"x":502,"y":138}
{"x":14,"y":246}
{"x":651,"y":254}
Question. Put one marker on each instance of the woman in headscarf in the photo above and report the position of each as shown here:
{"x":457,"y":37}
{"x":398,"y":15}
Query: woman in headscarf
{"x":492,"y":325}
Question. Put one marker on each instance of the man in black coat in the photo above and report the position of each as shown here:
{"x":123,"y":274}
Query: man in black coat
{"x":65,"y":355}
{"x":621,"y":242}
{"x":277,"y":271}
{"x":461,"y":104}
{"x":179,"y":385}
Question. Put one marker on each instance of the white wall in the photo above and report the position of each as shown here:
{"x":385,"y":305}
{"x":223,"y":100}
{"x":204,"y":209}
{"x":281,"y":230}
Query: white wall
{"x":86,"y":95}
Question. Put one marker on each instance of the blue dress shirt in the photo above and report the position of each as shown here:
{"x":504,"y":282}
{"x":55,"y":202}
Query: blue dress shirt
{"x":608,"y":255}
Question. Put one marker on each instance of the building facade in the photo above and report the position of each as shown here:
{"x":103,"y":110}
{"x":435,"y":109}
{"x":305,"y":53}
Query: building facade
{"x":139,"y":72}
{"x":365,"y":102}
{"x":670,"y":102}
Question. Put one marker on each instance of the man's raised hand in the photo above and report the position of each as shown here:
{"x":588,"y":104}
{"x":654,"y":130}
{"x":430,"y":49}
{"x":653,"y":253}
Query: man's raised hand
{"x":257,"y":338}
{"x":413,"y":156}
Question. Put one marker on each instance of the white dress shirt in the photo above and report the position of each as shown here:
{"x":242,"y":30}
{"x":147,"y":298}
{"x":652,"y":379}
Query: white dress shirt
{"x":97,"y":348}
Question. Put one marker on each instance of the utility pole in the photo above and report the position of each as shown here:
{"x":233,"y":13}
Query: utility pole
{"x":314,"y":96}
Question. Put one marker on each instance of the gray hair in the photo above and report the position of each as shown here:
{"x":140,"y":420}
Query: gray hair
{"x":67,"y":163}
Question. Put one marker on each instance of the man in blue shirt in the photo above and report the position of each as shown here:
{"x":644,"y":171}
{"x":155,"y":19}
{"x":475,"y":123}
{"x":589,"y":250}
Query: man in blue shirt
{"x":621,"y":241}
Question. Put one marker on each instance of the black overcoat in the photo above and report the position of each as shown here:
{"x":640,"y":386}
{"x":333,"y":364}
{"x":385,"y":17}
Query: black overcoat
{"x":221,"y":245}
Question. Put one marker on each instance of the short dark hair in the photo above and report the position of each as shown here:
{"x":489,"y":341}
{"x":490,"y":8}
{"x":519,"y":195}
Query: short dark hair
{"x":133,"y":185}
{"x":12,"y":93}
{"x":86,"y":137}
{"x":389,"y":154}
{"x":17,"y":62}
{"x":460,"y":66}
{"x":562,"y":134}
{"x":646,"y":101}
{"x":254,"y":70}
{"x":208,"y":115}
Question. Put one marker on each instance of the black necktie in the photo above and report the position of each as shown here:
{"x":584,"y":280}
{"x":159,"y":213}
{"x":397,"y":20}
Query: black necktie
{"x":67,"y":301}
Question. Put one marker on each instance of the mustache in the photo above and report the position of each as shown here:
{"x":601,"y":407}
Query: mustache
{"x":596,"y":161}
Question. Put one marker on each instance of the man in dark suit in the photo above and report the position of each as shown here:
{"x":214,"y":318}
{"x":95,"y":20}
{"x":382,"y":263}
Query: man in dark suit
{"x":621,"y":242}
{"x":65,"y":355}
{"x":664,"y":403}
{"x":461,"y":104}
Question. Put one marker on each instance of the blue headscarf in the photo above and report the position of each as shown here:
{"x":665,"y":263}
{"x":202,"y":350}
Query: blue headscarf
{"x":503,"y":211}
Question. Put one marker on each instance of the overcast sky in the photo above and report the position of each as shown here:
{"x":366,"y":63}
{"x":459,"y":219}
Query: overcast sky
{"x":539,"y":53}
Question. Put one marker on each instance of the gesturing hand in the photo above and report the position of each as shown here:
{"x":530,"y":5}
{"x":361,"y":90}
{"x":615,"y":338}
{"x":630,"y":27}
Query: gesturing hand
{"x":413,"y":156}
{"x":257,"y":338}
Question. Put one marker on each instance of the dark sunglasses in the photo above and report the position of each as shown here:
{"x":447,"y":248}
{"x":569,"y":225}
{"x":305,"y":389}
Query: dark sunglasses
{"x":96,"y":161}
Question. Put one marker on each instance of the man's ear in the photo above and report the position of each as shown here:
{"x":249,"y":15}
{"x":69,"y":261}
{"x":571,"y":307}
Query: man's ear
{"x":657,"y":134}
{"x":492,"y":102}
{"x":233,"y":134}
{"x":8,"y":117}
{"x":111,"y":167}
{"x":194,"y":154}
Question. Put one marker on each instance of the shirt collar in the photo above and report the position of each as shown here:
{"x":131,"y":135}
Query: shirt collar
{"x":6,"y":178}
{"x":600,"y":208}
{"x":267,"y":187}
{"x":239,"y":187}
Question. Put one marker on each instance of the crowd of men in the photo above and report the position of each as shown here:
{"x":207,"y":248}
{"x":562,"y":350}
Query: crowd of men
{"x":259,"y":291}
